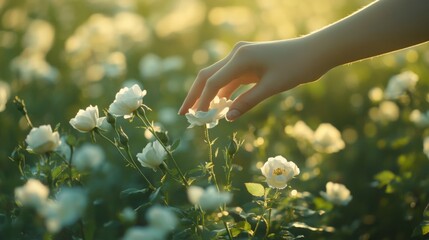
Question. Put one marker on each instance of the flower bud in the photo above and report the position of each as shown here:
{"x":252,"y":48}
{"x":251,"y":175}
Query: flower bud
{"x":110,"y":118}
{"x":232,"y":146}
{"x":123,"y":138}
{"x":20,"y":105}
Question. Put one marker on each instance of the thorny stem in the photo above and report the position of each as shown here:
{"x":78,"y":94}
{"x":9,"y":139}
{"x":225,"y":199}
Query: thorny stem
{"x":149,"y":126}
{"x":210,"y":145}
{"x":130,"y":162}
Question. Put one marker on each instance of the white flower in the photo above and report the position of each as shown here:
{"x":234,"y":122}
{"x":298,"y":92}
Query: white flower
{"x":146,"y":233}
{"x":88,"y":157}
{"x":217,"y":110}
{"x":426,"y":146}
{"x":336,"y":193}
{"x":278,"y":171}
{"x":32,"y":194}
{"x":39,"y":36}
{"x":209,"y":199}
{"x":86,"y":120}
{"x":68,"y":207}
{"x":419,"y":118}
{"x":301,"y":131}
{"x":127,"y":100}
{"x":161,"y":218}
{"x":42,"y":139}
{"x":4,"y":94}
{"x":398,"y":84}
{"x":327,"y":139}
{"x":152,"y":156}
{"x":128,"y":215}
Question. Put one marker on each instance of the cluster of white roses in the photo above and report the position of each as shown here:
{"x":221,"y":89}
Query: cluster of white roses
{"x":326,"y":138}
{"x":64,"y":210}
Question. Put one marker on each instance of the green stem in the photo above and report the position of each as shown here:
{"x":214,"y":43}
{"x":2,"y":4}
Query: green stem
{"x":137,"y":167}
{"x":130,"y":162}
{"x":210,"y":145}
{"x":70,"y":166}
{"x":149,"y":126}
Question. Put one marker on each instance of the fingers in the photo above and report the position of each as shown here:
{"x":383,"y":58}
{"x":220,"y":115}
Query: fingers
{"x":250,"y":98}
{"x":200,"y":82}
{"x":233,"y":69}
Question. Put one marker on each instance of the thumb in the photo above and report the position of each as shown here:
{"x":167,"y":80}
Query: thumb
{"x":247,"y":101}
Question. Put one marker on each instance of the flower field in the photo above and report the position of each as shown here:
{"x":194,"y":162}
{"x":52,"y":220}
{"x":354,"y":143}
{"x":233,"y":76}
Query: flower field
{"x":92,"y":147}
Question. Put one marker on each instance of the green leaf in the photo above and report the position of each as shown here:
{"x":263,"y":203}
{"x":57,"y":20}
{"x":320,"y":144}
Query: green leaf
{"x":130,"y":191}
{"x":255,"y":189}
{"x":384,"y":178}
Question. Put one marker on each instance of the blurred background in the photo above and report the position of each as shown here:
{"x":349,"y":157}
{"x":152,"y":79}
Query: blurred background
{"x":60,"y":56}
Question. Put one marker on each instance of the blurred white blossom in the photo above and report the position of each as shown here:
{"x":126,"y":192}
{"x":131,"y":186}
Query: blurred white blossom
{"x":128,"y":215}
{"x":376,"y":94}
{"x":327,"y":139}
{"x":161,"y":218}
{"x":42,"y":139}
{"x":64,"y":149}
{"x":419,"y":118}
{"x":217,"y":110}
{"x":336,"y":193}
{"x":39,"y":36}
{"x":115,"y":65}
{"x":86,"y":120}
{"x":208,"y":199}
{"x":152,"y":156}
{"x":301,"y":131}
{"x":400,"y":83}
{"x":127,"y":100}
{"x":387,"y":111}
{"x":67,"y":208}
{"x":31,"y":66}
{"x":32,"y":194}
{"x":146,"y":233}
{"x":278,"y":171}
{"x":88,"y":157}
{"x":4,"y":95}
{"x":152,"y":66}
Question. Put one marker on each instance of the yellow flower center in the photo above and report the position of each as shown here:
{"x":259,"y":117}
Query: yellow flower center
{"x":278,"y":171}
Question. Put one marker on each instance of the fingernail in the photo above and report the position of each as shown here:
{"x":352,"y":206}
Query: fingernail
{"x":232,"y":115}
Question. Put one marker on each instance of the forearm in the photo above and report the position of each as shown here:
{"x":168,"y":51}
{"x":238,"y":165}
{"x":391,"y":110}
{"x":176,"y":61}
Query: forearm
{"x":381,"y":27}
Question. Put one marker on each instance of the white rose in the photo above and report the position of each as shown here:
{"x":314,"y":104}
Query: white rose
{"x":68,"y":207}
{"x":398,"y":84}
{"x":127,"y":100}
{"x":42,"y":139}
{"x":337,"y":194}
{"x":209,"y":199}
{"x":88,"y":157}
{"x":32,"y":194}
{"x":301,"y":131}
{"x":327,"y":139}
{"x":161,"y":218}
{"x":86,"y":120}
{"x":279,"y":171}
{"x":146,"y":233}
{"x":217,"y":110}
{"x":419,"y":118}
{"x":152,"y":156}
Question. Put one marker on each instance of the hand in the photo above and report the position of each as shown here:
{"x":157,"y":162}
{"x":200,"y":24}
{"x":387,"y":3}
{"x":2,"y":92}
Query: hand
{"x":274,"y":67}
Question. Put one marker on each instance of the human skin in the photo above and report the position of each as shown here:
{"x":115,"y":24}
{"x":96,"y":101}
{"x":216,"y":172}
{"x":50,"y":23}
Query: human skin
{"x":277,"y":66}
